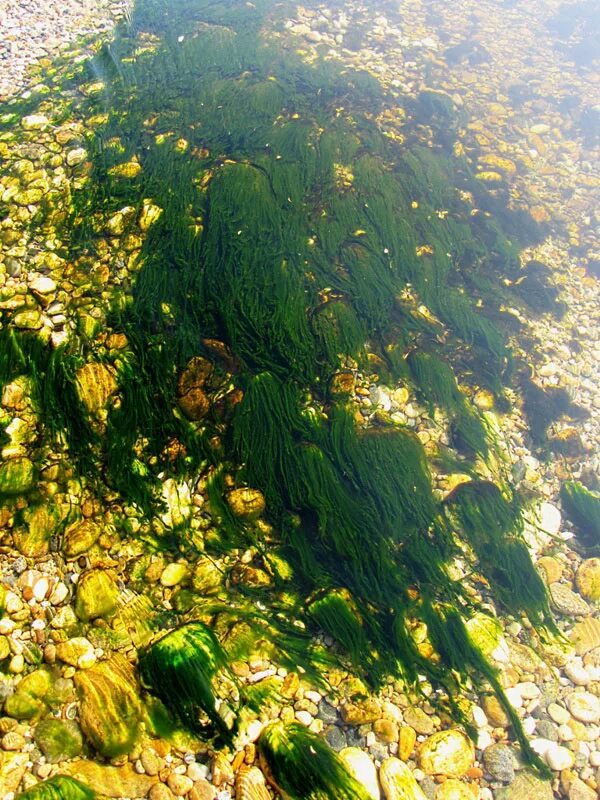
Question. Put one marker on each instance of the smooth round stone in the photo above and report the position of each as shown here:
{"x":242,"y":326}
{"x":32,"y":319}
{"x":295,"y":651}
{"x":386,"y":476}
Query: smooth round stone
{"x":577,"y":674}
{"x":453,"y":789}
{"x":173,"y":574}
{"x":559,"y":758}
{"x":448,"y":752}
{"x":587,"y":579}
{"x":558,"y":714}
{"x":584,"y":706}
{"x":499,"y":763}
{"x":361,"y":767}
{"x":550,"y":519}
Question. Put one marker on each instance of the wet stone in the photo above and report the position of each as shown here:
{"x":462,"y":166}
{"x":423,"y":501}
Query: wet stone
{"x":498,"y":761}
{"x":327,"y":713}
{"x":336,"y":739}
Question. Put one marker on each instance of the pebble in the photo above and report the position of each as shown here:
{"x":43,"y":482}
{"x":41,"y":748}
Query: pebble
{"x":180,"y":785}
{"x":558,"y":757}
{"x":584,"y":706}
{"x":559,"y":714}
{"x":498,"y":761}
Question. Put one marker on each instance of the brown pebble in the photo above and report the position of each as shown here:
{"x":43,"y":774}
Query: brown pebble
{"x":202,"y":790}
{"x":474,"y":772}
{"x":160,"y":791}
{"x":180,"y":785}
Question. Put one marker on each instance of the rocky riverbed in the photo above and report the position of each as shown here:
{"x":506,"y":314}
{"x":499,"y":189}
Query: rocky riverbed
{"x":532,"y":145}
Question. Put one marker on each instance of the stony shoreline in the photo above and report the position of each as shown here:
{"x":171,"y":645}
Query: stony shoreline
{"x":557,"y":698}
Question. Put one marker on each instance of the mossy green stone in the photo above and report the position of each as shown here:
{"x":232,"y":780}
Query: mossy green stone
{"x":59,"y":740}
{"x":42,"y":522}
{"x":96,"y":595}
{"x":21,"y":705}
{"x":109,"y":710}
{"x":17,"y":476}
{"x":60,"y":787}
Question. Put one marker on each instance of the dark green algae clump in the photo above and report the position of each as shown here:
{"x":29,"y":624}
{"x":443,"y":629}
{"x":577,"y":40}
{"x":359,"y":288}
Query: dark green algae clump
{"x":293,"y":241}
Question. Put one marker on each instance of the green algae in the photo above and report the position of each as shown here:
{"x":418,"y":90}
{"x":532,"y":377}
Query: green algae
{"x":303,"y":766}
{"x":288,"y":234}
{"x":583,"y":509}
{"x":60,"y":787}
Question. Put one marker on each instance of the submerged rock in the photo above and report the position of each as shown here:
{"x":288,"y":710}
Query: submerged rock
{"x":121,"y":781}
{"x":109,"y":706}
{"x":78,"y":538}
{"x":361,"y":767}
{"x":42,"y":522}
{"x":250,"y":784}
{"x":59,"y":740}
{"x":96,"y":595}
{"x":398,"y":782}
{"x":448,"y":752}
{"x":17,"y":476}
{"x":95,"y":382}
{"x":588,"y":578}
{"x":246,"y":503}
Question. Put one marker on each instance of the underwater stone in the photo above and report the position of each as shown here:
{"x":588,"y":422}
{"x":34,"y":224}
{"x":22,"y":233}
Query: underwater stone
{"x":59,"y":740}
{"x":149,"y":214}
{"x":179,"y":503}
{"x":34,"y":122}
{"x":28,"y":320}
{"x":246,"y":503}
{"x":79,"y":537}
{"x":585,"y":635}
{"x":95,"y":383}
{"x":406,"y":742}
{"x":197,"y":372}
{"x":42,"y":522}
{"x":398,"y":782}
{"x":17,"y":476}
{"x":109,"y":706}
{"x":361,"y":714}
{"x":584,"y":706}
{"x":498,"y":760}
{"x":110,"y":781}
{"x":447,"y":753}
{"x":206,"y":577}
{"x":566,"y":601}
{"x":77,"y":652}
{"x":96,"y":595}
{"x":194,"y":404}
{"x":250,"y":784}
{"x":76,"y":156}
{"x":361,"y":767}
{"x":173,"y":574}
{"x":21,"y":705}
{"x":587,"y":578}
{"x":59,"y":787}
{"x":453,"y":789}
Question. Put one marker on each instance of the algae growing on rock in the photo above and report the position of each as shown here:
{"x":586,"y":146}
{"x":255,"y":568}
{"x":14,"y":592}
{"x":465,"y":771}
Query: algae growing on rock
{"x":268,"y":243}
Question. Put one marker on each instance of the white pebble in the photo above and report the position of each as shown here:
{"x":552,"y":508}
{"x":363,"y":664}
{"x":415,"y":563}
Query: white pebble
{"x":584,"y":706}
{"x":304,"y":717}
{"x":559,"y":758}
{"x":479,"y":717}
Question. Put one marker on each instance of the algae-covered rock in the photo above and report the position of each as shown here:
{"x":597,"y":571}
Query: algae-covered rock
{"x":247,"y":504}
{"x":60,"y":787}
{"x":95,"y":383}
{"x":79,"y":537}
{"x":453,"y":789}
{"x":447,"y":753}
{"x":194,"y":404}
{"x":485,"y":633}
{"x":42,"y":522}
{"x":58,"y":739}
{"x":109,"y":710}
{"x":398,"y":782}
{"x":96,"y":596}
{"x":588,"y":578}
{"x":28,"y":700}
{"x":206,"y":577}
{"x":109,"y":781}
{"x":179,"y":503}
{"x":17,"y":476}
{"x":360,"y":766}
{"x":78,"y":652}
{"x":149,"y":214}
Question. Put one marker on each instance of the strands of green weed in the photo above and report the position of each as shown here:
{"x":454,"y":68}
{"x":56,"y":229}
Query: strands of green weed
{"x":492,"y":527}
{"x":304,"y":766}
{"x":583,"y":508}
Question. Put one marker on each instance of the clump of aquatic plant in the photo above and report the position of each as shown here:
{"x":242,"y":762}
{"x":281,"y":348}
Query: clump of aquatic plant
{"x":301,"y":764}
{"x":492,"y":526}
{"x":60,"y":787}
{"x":182,"y":668}
{"x":583,"y":509}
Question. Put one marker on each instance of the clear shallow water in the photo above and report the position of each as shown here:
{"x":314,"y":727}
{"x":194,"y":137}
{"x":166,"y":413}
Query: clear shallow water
{"x":258,"y":234}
